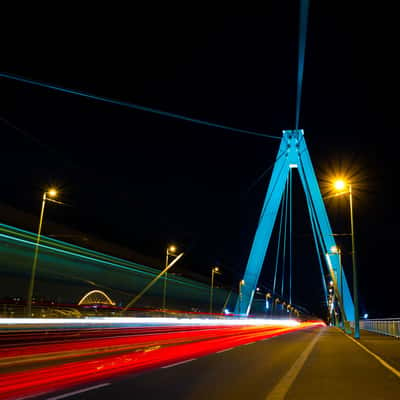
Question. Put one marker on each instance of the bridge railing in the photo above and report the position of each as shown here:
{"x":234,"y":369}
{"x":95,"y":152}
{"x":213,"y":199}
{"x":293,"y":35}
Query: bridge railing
{"x":386,"y":326}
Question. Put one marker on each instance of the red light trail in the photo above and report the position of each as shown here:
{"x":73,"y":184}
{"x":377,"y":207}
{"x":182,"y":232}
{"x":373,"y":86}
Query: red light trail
{"x":135,"y":353}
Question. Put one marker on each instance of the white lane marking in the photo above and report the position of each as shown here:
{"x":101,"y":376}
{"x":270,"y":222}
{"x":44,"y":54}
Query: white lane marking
{"x":383,"y":362}
{"x":179,"y":363}
{"x":62,"y":396}
{"x":223,"y":351}
{"x":282,"y":387}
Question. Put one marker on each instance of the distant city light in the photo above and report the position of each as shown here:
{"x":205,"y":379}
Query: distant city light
{"x":365,"y":315}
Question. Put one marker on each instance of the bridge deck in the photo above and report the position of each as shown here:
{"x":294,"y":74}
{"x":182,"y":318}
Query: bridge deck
{"x":339,"y":368}
{"x":320,"y":363}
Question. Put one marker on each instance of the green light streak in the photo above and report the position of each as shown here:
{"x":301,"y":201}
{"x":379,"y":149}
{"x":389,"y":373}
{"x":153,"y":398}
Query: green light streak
{"x":86,"y":254}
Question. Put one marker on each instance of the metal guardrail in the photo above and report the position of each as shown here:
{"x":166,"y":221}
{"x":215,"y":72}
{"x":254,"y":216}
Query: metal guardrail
{"x":386,"y":326}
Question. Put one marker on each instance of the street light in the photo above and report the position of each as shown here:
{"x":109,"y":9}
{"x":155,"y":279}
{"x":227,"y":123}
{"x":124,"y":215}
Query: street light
{"x":51,"y":193}
{"x":267,"y":306}
{"x":341,"y":185}
{"x":241,"y":283}
{"x":170,"y":252}
{"x":336,"y":250}
{"x":151,"y":283}
{"x":215,"y":270}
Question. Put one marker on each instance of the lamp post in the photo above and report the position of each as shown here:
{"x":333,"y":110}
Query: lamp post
{"x":289,"y":308}
{"x":276,"y":301}
{"x":340,"y":185}
{"x":151,"y":283}
{"x":50,"y":193}
{"x":170,"y":252}
{"x":337,"y":250}
{"x":215,"y":270}
{"x":267,"y":306}
{"x":241,"y":283}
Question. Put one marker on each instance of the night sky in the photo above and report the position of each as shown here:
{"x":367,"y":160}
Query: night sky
{"x":145,"y":181}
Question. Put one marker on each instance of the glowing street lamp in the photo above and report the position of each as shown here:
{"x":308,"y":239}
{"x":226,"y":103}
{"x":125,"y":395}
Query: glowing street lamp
{"x":267,"y":297}
{"x":151,"y":283}
{"x":339,"y":186}
{"x":47,"y":196}
{"x":171,"y":250}
{"x":241,"y":283}
{"x":215,"y":270}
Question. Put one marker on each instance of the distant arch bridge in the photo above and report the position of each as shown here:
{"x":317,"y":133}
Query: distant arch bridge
{"x":96,"y":297}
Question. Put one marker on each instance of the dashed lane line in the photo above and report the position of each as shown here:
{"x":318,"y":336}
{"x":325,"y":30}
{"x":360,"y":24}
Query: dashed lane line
{"x":63,"y":396}
{"x":179,"y":363}
{"x":223,"y":351}
{"x":282,"y":387}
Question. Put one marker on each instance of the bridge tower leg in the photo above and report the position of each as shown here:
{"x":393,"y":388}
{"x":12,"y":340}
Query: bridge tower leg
{"x":292,"y":154}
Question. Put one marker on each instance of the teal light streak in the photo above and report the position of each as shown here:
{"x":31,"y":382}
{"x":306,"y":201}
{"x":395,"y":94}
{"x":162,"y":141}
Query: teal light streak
{"x":98,"y":260}
{"x":54,"y":249}
{"x":134,"y":106}
{"x":80,"y":250}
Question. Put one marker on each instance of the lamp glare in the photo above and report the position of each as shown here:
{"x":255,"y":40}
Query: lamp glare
{"x":340,"y":185}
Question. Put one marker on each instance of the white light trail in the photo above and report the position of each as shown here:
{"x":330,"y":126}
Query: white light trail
{"x":145,"y":321}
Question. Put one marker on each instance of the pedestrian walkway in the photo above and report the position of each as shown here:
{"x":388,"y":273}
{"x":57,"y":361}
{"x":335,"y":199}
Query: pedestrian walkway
{"x":338,"y":368}
{"x":387,"y":347}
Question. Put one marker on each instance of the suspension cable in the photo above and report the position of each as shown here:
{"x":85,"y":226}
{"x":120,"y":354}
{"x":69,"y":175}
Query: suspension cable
{"x":290,"y":234}
{"x":284,"y":240}
{"x":318,"y":239}
{"x":279,"y":246}
{"x":134,"y":106}
{"x":262,"y":175}
{"x":316,"y":232}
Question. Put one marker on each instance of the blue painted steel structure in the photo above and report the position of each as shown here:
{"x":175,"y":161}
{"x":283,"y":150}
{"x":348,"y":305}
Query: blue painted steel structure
{"x":292,"y":154}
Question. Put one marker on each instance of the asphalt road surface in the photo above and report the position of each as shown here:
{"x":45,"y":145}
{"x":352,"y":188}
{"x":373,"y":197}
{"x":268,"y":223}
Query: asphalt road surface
{"x":317,"y":363}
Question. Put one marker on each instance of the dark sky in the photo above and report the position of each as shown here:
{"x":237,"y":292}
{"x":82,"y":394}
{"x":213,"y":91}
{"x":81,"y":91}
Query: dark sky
{"x":144,"y":181}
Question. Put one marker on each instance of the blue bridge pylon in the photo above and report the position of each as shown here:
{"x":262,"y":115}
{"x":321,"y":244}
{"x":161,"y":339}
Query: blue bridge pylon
{"x":293,"y":154}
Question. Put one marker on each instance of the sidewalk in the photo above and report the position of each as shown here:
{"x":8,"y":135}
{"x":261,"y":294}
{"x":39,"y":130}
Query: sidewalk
{"x":386,"y":347}
{"x":338,"y":368}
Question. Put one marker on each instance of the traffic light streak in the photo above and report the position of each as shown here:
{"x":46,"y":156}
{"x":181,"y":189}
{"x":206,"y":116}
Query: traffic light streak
{"x":160,"y":350}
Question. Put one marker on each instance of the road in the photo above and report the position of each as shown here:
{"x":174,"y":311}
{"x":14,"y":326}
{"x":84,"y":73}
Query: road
{"x":45,"y":364}
{"x":316,"y":363}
